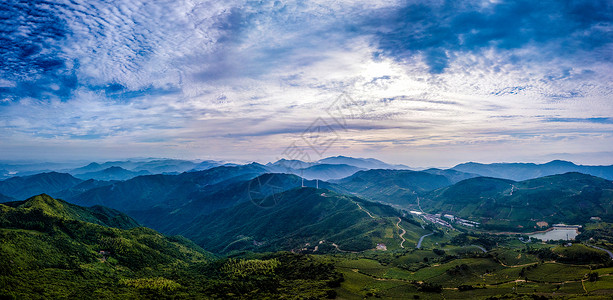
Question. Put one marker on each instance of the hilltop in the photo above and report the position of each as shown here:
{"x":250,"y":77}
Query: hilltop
{"x":46,"y":207}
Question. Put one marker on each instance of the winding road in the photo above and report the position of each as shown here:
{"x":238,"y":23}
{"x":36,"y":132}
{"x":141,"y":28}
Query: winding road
{"x":358,"y":204}
{"x":605,"y":250}
{"x":480,"y":248}
{"x":403,"y":232}
{"x":421,"y":239}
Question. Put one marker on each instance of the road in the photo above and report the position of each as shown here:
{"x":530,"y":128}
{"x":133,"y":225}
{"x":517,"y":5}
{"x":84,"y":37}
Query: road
{"x":605,"y":250}
{"x":421,"y":239}
{"x":402,"y":234}
{"x":419,"y":206}
{"x":364,"y":210}
{"x":480,"y":248}
{"x":339,"y":249}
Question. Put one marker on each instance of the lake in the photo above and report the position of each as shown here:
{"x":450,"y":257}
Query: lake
{"x":556,"y":234}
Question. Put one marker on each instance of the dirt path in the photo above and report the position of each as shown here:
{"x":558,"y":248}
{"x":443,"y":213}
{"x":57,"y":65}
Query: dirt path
{"x":516,"y":266}
{"x":370,"y":215}
{"x":403,"y":232}
{"x":339,"y":249}
{"x":419,"y":206}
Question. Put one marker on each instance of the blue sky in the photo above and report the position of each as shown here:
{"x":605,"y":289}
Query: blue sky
{"x":425,"y":83}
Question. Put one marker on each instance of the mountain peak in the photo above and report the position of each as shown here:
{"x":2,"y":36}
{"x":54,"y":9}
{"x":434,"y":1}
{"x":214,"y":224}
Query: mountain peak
{"x":562,"y":163}
{"x":114,"y":168}
{"x":63,"y":210}
{"x":48,"y":205}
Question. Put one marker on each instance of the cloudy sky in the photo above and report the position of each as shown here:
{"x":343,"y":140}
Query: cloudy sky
{"x":425,"y":83}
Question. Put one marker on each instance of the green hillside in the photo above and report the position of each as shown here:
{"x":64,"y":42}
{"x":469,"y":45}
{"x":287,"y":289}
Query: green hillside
{"x":400,"y":187}
{"x":567,"y":198}
{"x":43,"y":206}
{"x":300,"y":219}
{"x":49,"y":251}
{"x":216,"y":196}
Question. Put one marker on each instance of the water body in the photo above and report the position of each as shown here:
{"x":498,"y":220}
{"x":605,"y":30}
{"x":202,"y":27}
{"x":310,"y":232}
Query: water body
{"x":556,"y":234}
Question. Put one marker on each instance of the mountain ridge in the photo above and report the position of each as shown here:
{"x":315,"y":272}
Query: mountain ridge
{"x":524,"y":171}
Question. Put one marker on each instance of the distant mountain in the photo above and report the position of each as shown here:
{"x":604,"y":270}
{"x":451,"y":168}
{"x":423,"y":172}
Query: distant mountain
{"x":399,"y":187}
{"x":165,"y":166}
{"x":157,"y":166}
{"x":92,"y":167}
{"x":283,"y":165}
{"x":364,"y":163}
{"x":4,"y":198}
{"x":299,"y":218}
{"x":27,"y":168}
{"x":4,"y":174}
{"x":81,"y":188}
{"x":112,"y":173}
{"x":207,"y":164}
{"x":453,"y":175}
{"x":523,"y":171}
{"x":505,"y":204}
{"x":145,"y":192}
{"x":327,"y":171}
{"x":28,"y":186}
{"x":312,"y":170}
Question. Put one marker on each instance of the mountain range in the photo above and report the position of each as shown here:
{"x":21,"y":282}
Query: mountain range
{"x":112,"y":173}
{"x":523,"y":171}
{"x":214,"y":199}
{"x":27,"y":186}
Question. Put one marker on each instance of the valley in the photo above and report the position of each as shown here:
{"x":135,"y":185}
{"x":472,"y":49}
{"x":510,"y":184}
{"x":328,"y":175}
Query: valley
{"x":233,"y":229}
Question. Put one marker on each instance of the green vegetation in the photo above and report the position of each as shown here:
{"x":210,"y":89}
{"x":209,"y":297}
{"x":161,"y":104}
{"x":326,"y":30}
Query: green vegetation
{"x":344,"y":247}
{"x":302,"y":219}
{"x":601,"y":231}
{"x":158,"y":284}
{"x":391,"y":186}
{"x":49,"y":252}
{"x":506,"y":205}
{"x":37,"y":210}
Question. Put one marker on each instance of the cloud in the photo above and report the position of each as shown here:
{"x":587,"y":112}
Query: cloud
{"x":597,"y":120}
{"x":439,"y":31}
{"x":53,"y":48}
{"x":197,"y":78}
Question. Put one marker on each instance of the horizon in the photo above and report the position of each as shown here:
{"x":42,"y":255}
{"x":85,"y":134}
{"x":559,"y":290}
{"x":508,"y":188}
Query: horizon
{"x":83,"y":162}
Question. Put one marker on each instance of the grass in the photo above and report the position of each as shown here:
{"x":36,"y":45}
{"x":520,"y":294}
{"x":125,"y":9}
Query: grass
{"x":556,"y":272}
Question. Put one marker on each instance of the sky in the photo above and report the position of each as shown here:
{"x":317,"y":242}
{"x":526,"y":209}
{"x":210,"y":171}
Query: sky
{"x":424,"y":83}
